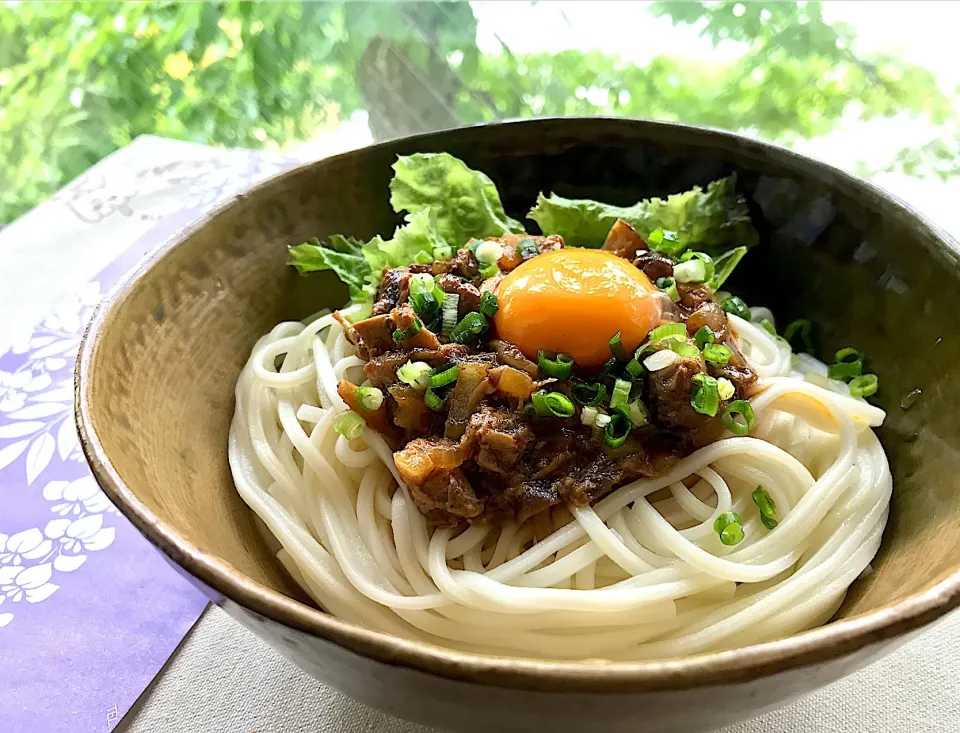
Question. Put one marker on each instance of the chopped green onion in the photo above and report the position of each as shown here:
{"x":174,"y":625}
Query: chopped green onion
{"x":683,"y":348}
{"x":369,"y":398}
{"x":703,"y":257}
{"x":443,"y":252}
{"x":488,"y":270}
{"x":433,"y":400}
{"x":610,"y":365}
{"x":660,"y":360}
{"x":443,"y":376}
{"x":527,"y":248}
{"x":768,"y":327}
{"x":602,"y":419}
{"x":669,"y":286}
{"x":729,"y":527}
{"x":422,"y":258}
{"x":634,"y":368}
{"x":471,"y":327}
{"x":560,"y":367}
{"x":589,"y":395}
{"x":665,"y":241}
{"x":489,"y":252}
{"x":489,"y":305}
{"x":725,"y":388}
{"x":766,"y":505}
{"x":621,"y":393}
{"x":738,"y":417}
{"x":350,"y":425}
{"x":637,"y":413}
{"x":704,"y":336}
{"x":717,"y":354}
{"x":616,"y":431}
{"x":415,"y":373}
{"x":849,"y":364}
{"x":668,"y":331}
{"x":864,"y":385}
{"x":616,"y":347}
{"x":451,"y":306}
{"x":588,"y":415}
{"x":706,"y":396}
{"x":422,"y":283}
{"x":414,"y":328}
{"x":736,"y":307}
{"x":799,"y":334}
{"x":552,"y":404}
{"x":426,"y":304}
{"x":693,"y":271}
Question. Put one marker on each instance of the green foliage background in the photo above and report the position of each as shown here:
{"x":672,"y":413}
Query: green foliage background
{"x":81,"y":79}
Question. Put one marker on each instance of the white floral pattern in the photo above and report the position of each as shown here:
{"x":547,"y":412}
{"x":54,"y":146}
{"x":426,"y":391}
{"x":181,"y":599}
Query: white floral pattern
{"x":36,"y":421}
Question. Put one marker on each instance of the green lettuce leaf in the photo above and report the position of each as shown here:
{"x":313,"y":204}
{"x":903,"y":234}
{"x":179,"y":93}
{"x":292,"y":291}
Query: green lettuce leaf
{"x":341,"y":254}
{"x":711,"y":221}
{"x":447,"y":204}
{"x":723,"y":266}
{"x":466,"y":202}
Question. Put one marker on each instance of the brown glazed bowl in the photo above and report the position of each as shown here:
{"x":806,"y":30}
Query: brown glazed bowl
{"x":156,"y":374}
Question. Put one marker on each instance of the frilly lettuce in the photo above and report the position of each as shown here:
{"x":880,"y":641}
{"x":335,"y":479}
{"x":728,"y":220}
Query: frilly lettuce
{"x":715,"y":221}
{"x":447,"y":204}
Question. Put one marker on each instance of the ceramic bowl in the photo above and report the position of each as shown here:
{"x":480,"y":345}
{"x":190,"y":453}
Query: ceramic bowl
{"x":156,"y":374}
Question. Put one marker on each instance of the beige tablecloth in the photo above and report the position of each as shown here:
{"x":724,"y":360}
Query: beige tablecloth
{"x":224,"y":679}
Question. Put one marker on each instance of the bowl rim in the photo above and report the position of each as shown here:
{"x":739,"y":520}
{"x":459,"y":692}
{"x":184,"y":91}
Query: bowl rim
{"x":831,"y":642}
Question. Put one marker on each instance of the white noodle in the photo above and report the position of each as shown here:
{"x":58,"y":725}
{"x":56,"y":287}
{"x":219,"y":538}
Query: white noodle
{"x":626,"y":579}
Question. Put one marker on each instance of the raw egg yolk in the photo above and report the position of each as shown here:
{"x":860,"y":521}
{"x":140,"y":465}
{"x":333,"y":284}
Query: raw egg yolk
{"x":574,"y":301}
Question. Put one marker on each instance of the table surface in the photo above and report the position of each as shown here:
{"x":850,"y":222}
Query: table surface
{"x":223,"y":678}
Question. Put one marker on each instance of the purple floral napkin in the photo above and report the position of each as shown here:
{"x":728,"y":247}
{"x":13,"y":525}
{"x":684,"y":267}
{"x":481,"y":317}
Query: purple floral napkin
{"x":89,"y":610}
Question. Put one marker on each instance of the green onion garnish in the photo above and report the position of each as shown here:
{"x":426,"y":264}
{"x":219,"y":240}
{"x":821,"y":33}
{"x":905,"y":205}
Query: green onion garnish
{"x":443,"y":376}
{"x":634,"y":368}
{"x":706,"y":395}
{"x":665,"y":241}
{"x":849,"y":364}
{"x":725,"y":388}
{"x":864,"y":385}
{"x":768,"y":327}
{"x":704,"y":336}
{"x":434,"y":401}
{"x":637,"y":413}
{"x":527,"y":248}
{"x":471,"y":327}
{"x":683,"y":348}
{"x":764,"y":502}
{"x":738,"y":417}
{"x":414,"y":328}
{"x":616,"y":431}
{"x":488,"y":270}
{"x":415,"y":373}
{"x":799,"y":334}
{"x":729,"y":527}
{"x":669,"y":286}
{"x":717,"y":354}
{"x":560,"y":367}
{"x":736,"y":307}
{"x":668,"y":331}
{"x":443,"y":252}
{"x":350,"y":425}
{"x":616,"y":348}
{"x":489,"y":252}
{"x":422,"y":258}
{"x":703,"y":257}
{"x":621,"y":393}
{"x":610,"y":365}
{"x":489,"y":305}
{"x":552,"y":404}
{"x":589,"y":395}
{"x":369,"y":398}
